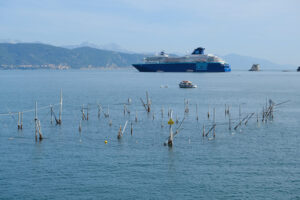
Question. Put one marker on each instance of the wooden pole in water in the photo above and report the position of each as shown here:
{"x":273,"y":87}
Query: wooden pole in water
{"x":148,"y":102}
{"x":106,"y":115}
{"x":131,"y":128}
{"x":240,"y":112}
{"x":87,"y":112}
{"x":228,"y":112}
{"x":229,"y":122}
{"x":136,"y":119}
{"x":170,"y":140}
{"x":203,"y":130}
{"x":99,"y":111}
{"x":120,"y":132}
{"x":162,"y":112}
{"x":79,"y":129}
{"x":40,"y":131}
{"x":60,"y":108}
{"x":197,"y":117}
{"x":124,"y":111}
{"x":21,"y":120}
{"x":208,"y":114}
{"x":263,"y":115}
{"x":186,"y":109}
{"x":35,"y":120}
{"x":51,"y":110}
{"x":82,"y":111}
{"x":214,"y":123}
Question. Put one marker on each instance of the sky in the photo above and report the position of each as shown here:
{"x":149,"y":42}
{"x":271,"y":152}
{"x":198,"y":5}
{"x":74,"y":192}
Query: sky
{"x":268,"y":29}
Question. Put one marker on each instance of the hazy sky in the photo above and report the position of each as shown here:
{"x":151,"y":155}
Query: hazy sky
{"x":260,"y":28}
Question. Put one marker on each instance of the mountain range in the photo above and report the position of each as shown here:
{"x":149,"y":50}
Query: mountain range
{"x":87,"y":55}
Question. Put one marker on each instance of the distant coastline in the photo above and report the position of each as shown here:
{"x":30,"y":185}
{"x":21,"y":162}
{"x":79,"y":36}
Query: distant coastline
{"x":32,"y":56}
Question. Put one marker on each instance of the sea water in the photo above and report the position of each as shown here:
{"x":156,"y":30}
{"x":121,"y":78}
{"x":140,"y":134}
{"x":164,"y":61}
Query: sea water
{"x":256,"y":161}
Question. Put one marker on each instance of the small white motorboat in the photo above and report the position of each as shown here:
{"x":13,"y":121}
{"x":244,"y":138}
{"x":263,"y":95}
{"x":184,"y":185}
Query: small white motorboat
{"x":187,"y":84}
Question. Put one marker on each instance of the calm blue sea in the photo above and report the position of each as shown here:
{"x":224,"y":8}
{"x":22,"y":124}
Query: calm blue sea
{"x":258,"y":161}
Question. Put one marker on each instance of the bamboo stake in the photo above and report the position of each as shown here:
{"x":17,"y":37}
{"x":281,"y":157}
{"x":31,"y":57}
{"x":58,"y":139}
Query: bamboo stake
{"x":228,"y":108}
{"x":60,"y":109}
{"x":240,"y":112}
{"x":136,"y":119}
{"x":79,"y":129}
{"x":82,"y":110}
{"x":208,"y":113}
{"x":20,"y":127}
{"x":120,"y":133}
{"x":240,"y":123}
{"x":186,"y":107}
{"x":51,"y":110}
{"x":148,"y":102}
{"x":249,"y":118}
{"x":99,"y":111}
{"x":40,"y":131}
{"x":197,"y":117}
{"x":35,"y":120}
{"x":107,"y":110}
{"x":213,"y":126}
{"x":229,"y":116}
{"x":203,"y":130}
{"x":131,"y":128}
{"x":37,"y":125}
{"x":87,"y":112}
{"x":19,"y":121}
{"x":214,"y":123}
{"x":124,"y":127}
{"x":170,"y":140}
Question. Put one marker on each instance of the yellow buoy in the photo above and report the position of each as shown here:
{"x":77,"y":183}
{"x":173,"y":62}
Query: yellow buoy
{"x":105,"y":141}
{"x":171,"y":122}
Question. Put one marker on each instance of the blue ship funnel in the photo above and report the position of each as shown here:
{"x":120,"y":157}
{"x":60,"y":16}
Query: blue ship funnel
{"x":199,"y":50}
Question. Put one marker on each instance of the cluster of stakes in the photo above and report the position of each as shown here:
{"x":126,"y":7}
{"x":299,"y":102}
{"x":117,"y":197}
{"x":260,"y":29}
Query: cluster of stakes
{"x":208,"y":130}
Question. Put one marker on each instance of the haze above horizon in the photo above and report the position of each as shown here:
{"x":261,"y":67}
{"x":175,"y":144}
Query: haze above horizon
{"x":265,"y":29}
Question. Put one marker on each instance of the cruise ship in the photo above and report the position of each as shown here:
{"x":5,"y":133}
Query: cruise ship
{"x":196,"y":62}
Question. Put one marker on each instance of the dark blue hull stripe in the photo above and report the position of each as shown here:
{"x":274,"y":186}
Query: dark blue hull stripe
{"x":183,"y":67}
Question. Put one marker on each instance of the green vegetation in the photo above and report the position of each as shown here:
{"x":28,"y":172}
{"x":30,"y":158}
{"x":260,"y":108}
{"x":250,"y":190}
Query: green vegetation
{"x":42,"y":54}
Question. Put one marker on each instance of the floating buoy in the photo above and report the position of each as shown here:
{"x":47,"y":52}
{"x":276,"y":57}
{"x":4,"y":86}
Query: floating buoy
{"x":171,"y":122}
{"x":105,"y":141}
